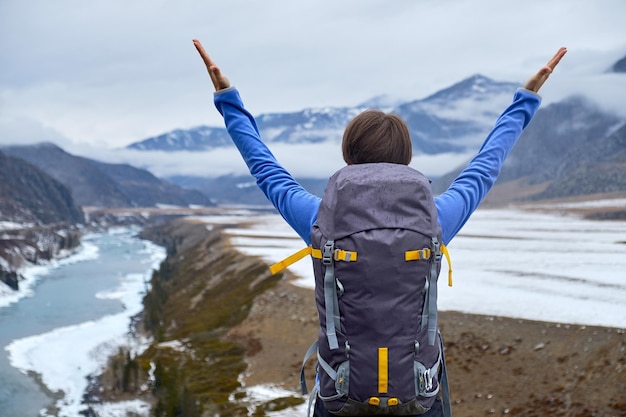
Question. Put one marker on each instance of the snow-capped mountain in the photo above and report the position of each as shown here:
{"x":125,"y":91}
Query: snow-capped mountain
{"x":452,"y":120}
{"x":457,"y":118}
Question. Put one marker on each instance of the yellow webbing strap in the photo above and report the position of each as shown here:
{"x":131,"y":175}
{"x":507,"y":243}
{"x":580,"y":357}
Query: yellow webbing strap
{"x":340,"y":255}
{"x":444,"y":249}
{"x":416,"y":255}
{"x":279,"y":266}
{"x":421,"y":254}
{"x":345,"y":255}
{"x":350,"y":256}
{"x":383,"y":370}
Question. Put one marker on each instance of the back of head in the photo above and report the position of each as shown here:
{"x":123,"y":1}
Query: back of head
{"x":374,"y":136}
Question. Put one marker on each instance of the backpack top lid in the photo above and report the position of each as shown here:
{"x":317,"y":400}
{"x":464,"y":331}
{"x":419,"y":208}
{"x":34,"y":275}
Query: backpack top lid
{"x":377,"y":195}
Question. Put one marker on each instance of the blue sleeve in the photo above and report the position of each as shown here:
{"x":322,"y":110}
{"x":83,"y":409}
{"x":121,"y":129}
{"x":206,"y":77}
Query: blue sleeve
{"x":296,"y":205}
{"x":460,"y":200}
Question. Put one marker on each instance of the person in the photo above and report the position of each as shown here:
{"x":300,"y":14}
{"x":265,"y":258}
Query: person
{"x":372,"y":137}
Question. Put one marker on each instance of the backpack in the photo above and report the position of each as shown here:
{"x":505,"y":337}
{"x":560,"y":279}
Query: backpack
{"x":376,"y":249}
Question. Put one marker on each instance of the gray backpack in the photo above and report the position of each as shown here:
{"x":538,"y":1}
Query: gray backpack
{"x":376,"y":248}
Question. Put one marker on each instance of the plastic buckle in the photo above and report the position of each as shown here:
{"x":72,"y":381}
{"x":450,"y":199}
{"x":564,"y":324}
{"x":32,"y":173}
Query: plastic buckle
{"x":436,"y":251}
{"x":328,"y":253}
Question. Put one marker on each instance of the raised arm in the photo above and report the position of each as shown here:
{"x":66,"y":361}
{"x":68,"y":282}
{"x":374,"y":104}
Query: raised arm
{"x":297,"y":206}
{"x":467,"y":191}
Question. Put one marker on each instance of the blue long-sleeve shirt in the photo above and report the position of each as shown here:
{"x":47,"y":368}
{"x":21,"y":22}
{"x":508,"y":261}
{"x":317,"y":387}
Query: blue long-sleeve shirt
{"x":299,"y":207}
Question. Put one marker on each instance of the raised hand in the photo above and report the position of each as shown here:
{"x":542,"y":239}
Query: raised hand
{"x":219,"y":80}
{"x":536,"y":81}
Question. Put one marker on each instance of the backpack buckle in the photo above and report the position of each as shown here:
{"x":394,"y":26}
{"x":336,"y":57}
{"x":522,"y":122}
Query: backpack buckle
{"x":436,"y":251}
{"x":328,"y":253}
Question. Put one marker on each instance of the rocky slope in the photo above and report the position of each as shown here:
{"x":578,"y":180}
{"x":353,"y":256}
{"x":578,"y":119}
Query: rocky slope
{"x":38,"y":218}
{"x":28,"y":195}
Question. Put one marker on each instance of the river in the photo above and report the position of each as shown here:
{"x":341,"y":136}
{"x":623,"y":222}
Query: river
{"x":76,"y":308}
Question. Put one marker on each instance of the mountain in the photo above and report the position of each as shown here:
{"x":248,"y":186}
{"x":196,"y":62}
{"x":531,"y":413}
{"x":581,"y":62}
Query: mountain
{"x":99,"y":184}
{"x":199,"y":138}
{"x":570,"y":148}
{"x":619,"y":66}
{"x":145,"y":190}
{"x":451,"y":120}
{"x":28,"y":195}
{"x":562,"y":153}
{"x":457,"y":118}
{"x":38,"y":217}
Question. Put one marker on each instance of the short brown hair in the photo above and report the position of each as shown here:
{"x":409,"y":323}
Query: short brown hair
{"x":374,"y":136}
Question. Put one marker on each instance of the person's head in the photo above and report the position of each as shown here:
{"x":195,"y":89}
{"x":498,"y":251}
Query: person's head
{"x":374,"y":136}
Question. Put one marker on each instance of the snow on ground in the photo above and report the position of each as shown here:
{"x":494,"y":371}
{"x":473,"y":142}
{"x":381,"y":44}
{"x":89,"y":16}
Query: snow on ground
{"x":506,"y":262}
{"x":122,"y":409}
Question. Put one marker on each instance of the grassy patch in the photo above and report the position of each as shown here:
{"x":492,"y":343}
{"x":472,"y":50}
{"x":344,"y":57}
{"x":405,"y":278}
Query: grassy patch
{"x":200,"y":291}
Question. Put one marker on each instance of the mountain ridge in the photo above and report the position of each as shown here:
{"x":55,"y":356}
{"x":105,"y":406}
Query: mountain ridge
{"x":95,"y":183}
{"x":432,"y":129}
{"x":29,"y":195}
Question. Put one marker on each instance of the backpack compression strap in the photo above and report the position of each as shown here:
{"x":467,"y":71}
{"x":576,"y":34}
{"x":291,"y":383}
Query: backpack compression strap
{"x":339,"y":255}
{"x":348,"y":256}
{"x":425,"y":254}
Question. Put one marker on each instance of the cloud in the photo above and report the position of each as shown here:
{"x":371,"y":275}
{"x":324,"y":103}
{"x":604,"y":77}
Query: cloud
{"x":117,"y":72}
{"x":25,"y":131}
{"x":308,"y":160}
{"x":302,"y":161}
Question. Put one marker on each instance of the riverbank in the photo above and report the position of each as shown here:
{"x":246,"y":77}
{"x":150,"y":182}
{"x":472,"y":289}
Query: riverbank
{"x":23,"y":246}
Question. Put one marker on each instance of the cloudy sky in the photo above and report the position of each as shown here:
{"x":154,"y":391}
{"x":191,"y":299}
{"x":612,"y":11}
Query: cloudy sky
{"x":103,"y":74}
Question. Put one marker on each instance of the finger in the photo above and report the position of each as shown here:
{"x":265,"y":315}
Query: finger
{"x":210,"y":65}
{"x":557,"y":58}
{"x":205,"y":57}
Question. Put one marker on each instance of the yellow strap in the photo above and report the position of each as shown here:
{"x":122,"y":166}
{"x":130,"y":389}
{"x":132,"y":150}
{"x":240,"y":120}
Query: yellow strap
{"x":345,"y":255}
{"x":420,"y":254}
{"x":383,"y":370}
{"x":444,"y":249}
{"x":279,"y":266}
{"x":417,"y":255}
{"x":350,"y":256}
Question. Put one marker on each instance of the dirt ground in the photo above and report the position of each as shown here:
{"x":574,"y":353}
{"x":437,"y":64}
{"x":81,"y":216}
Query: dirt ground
{"x":496,"y":366}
